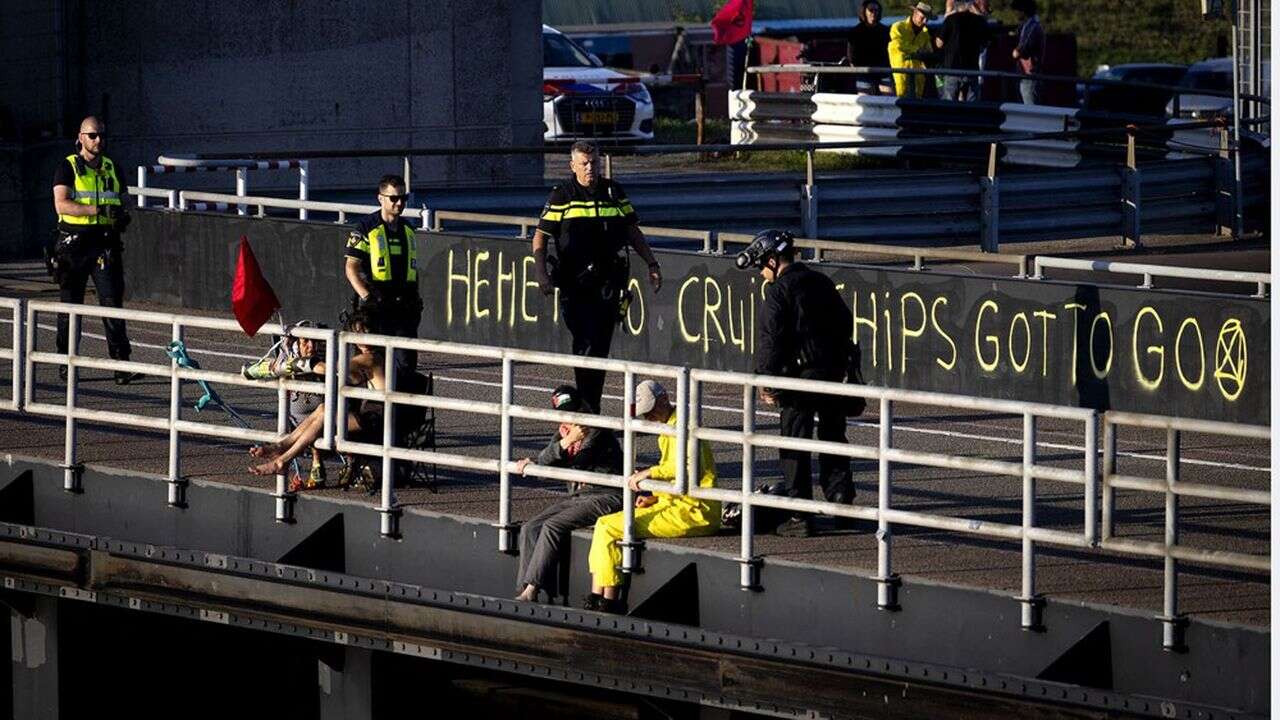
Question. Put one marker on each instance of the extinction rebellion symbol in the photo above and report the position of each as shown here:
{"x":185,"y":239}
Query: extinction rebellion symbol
{"x":1231,"y":359}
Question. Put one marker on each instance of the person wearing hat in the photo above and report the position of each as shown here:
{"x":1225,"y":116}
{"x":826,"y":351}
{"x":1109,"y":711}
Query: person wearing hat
{"x":909,"y":42}
{"x":805,"y":331}
{"x":545,"y":539}
{"x":657,"y":515}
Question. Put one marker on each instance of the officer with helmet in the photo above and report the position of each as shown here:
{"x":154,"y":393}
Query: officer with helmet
{"x":89,"y":200}
{"x":805,"y":331}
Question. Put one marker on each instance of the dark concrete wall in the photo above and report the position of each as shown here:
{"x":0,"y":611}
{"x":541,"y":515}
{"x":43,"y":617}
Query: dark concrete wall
{"x":971,"y":628}
{"x":188,"y":77}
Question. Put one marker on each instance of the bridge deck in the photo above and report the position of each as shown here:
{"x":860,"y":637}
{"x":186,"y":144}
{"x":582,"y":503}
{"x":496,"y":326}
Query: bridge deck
{"x":1064,"y":574}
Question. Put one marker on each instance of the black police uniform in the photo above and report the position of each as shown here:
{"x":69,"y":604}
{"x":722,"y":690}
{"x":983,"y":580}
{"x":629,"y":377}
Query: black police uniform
{"x":394,"y":304}
{"x":82,"y":251}
{"x":591,"y":227}
{"x":805,"y":330}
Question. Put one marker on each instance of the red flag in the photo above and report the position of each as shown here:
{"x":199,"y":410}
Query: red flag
{"x":252,"y":299}
{"x":733,"y":23}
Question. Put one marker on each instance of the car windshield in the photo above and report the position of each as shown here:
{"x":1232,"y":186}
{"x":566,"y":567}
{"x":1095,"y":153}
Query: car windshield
{"x":1205,"y":80}
{"x":559,"y":51}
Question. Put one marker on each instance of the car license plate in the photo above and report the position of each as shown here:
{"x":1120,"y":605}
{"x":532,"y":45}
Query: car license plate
{"x":597,"y":117}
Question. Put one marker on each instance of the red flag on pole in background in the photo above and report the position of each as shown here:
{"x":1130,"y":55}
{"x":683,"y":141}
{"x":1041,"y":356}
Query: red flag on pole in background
{"x":733,"y":23}
{"x":252,"y":299}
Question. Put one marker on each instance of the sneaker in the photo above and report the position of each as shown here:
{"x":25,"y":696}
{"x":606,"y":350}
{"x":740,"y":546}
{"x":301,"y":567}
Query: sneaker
{"x":124,"y":377}
{"x":316,"y":477}
{"x":796,"y":526}
{"x":260,"y":370}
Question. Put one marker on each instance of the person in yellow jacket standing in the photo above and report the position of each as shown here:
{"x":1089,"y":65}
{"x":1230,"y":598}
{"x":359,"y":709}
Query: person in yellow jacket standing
{"x":657,"y":515}
{"x":908,"y":40}
{"x":88,"y":198}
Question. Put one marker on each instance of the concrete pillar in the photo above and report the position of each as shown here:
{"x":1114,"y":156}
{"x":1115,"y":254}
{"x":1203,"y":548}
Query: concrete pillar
{"x":34,"y":643}
{"x":345,"y":678}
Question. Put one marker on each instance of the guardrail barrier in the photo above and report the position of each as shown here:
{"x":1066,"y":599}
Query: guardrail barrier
{"x":1096,"y":534}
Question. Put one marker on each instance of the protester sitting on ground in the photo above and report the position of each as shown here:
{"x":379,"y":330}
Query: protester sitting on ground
{"x":366,"y":368}
{"x":544,"y":540}
{"x":657,"y":515}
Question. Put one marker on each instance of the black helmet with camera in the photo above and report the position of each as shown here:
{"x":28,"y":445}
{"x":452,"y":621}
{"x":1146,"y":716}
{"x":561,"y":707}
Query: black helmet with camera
{"x":765,"y":245}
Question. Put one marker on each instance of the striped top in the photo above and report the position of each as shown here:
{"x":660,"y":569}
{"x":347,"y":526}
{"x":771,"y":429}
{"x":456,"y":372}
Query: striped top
{"x":588,"y":224}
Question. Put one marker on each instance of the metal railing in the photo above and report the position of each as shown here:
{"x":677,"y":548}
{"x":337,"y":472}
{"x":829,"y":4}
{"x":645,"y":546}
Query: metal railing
{"x":173,"y":423}
{"x":241,"y":169}
{"x":713,"y":241}
{"x":13,"y":353}
{"x":1175,"y":90}
{"x":1096,"y":533}
{"x":1262,"y":281}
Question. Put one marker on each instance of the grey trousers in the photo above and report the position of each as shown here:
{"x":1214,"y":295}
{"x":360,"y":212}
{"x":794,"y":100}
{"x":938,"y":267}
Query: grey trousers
{"x":545,"y":539}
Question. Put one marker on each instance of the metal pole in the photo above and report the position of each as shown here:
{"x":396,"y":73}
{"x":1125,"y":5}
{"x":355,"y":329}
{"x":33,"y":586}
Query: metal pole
{"x":1091,"y":479}
{"x":142,"y":185}
{"x":408,"y":174}
{"x":304,"y":170}
{"x":242,"y":189}
{"x":682,"y":432}
{"x":505,"y":544}
{"x":608,"y":165}
{"x":29,"y":366}
{"x":1108,"y":470}
{"x":628,"y":543}
{"x":177,"y":486}
{"x":18,"y":363}
{"x":1174,"y":625}
{"x":749,"y":564}
{"x":809,"y":197}
{"x":887,"y":590}
{"x":70,"y":469}
{"x":1237,"y":219}
{"x":330,"y":389}
{"x":387,"y":508}
{"x":284,"y":498}
{"x":1031,"y":603}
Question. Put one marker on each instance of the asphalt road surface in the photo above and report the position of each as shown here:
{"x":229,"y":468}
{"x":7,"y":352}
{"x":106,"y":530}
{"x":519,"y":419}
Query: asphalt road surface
{"x":1064,"y":574}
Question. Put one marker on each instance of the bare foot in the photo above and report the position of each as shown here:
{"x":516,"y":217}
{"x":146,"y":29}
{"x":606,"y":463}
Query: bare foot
{"x":269,"y":450}
{"x":271,"y":467}
{"x":529,"y":594}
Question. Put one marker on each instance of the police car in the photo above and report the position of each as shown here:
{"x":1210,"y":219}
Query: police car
{"x":583,"y":99}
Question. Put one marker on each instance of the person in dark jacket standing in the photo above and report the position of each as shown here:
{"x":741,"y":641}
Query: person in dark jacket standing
{"x":805,"y":331}
{"x":591,"y":222}
{"x":869,"y":47}
{"x":963,"y":37}
{"x":88,"y":197}
{"x":545,"y":538}
{"x":1029,"y":53}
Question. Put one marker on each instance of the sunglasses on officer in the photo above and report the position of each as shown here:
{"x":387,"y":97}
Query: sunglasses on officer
{"x":395,"y":198}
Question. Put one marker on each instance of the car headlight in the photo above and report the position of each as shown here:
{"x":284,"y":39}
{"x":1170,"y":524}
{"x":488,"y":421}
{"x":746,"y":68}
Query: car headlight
{"x":633,"y":89}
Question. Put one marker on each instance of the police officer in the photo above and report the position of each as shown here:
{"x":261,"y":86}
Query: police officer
{"x":89,"y":200}
{"x":805,"y":331}
{"x":592,"y":223}
{"x":382,"y":267}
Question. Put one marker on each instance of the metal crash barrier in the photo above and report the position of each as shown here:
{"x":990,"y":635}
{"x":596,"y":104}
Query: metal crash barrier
{"x":1098,"y":480}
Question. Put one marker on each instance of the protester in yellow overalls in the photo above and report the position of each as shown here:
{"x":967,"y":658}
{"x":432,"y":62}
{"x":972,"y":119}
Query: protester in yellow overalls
{"x":907,"y":38}
{"x":657,"y":515}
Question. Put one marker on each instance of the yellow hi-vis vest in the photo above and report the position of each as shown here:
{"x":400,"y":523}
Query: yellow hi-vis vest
{"x":381,"y":250}
{"x":94,"y":186}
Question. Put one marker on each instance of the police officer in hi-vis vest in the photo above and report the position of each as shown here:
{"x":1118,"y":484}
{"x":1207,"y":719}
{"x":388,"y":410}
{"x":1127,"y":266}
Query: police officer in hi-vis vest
{"x":382,"y":267}
{"x":89,"y":200}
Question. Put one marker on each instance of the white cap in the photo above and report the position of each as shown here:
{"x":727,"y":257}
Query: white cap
{"x":647,"y":394}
